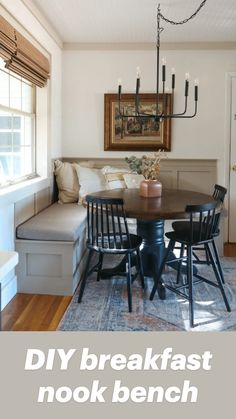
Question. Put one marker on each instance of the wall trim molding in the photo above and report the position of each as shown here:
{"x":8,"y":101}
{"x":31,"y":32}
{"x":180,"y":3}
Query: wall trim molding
{"x":146,"y":46}
{"x":43,"y":21}
{"x":100,"y":161}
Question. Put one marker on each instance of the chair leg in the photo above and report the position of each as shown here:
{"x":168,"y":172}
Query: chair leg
{"x":190,"y":283}
{"x":129,"y":281}
{"x":100,"y":266}
{"x":168,"y":250}
{"x":180,"y":263}
{"x":140,"y":268}
{"x":218,"y":262}
{"x":208,"y":260}
{"x":218,"y":278}
{"x":85,"y":276}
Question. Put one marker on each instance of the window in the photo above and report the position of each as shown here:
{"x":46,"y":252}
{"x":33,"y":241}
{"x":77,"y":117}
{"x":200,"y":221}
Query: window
{"x":17,"y":128}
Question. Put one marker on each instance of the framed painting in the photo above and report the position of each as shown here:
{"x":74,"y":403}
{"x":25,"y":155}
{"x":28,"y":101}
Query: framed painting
{"x":128,"y":134}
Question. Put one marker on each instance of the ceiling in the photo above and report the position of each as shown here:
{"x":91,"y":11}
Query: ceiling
{"x":134,"y":21}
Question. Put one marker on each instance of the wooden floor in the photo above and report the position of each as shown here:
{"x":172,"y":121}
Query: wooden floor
{"x":29,"y":312}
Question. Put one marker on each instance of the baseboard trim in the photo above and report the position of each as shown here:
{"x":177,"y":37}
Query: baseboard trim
{"x":9,"y":289}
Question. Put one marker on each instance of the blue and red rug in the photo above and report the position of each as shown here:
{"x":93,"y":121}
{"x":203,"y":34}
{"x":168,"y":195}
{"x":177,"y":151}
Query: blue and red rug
{"x":104,"y":306}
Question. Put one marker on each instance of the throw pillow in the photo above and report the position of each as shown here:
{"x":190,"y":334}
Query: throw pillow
{"x":132,"y":180}
{"x":90,"y":180}
{"x":67,"y":182}
{"x":114,"y":177}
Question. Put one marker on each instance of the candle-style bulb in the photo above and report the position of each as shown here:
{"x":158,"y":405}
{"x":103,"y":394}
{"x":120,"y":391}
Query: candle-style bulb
{"x":196,"y":84}
{"x":173,"y":70}
{"x":163,"y":69}
{"x":119,"y":90}
{"x":138,"y":72}
{"x":186,"y":87}
{"x":187,"y":76}
{"x":173,"y":81}
{"x":137,"y":85}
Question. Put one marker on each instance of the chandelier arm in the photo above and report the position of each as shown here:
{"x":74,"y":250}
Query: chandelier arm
{"x":137,"y":104}
{"x":163,"y":98}
{"x":181,"y":115}
{"x":185,"y":108}
{"x":170,"y":116}
{"x":119,"y":98}
{"x":143,"y":114}
{"x":137,"y":95}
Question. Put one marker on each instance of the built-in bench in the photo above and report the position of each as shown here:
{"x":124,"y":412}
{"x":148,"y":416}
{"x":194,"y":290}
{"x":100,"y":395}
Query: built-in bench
{"x":51,"y":246}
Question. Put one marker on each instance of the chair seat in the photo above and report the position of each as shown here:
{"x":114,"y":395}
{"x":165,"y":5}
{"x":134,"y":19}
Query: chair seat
{"x":184,"y":237}
{"x":118,"y":247}
{"x":183,"y":227}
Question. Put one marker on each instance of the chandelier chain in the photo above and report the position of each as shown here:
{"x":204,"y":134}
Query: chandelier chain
{"x":185,"y":20}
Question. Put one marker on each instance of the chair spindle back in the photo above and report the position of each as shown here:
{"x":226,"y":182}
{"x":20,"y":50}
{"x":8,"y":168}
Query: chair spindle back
{"x":107,"y":223}
{"x":202,"y":219}
{"x":219,"y":193}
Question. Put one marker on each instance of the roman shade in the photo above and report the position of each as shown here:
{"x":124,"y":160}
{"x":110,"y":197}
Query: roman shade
{"x":21,"y":56}
{"x":7,"y":40}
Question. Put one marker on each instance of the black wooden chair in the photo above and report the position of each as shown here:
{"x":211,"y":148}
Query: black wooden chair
{"x":200,"y":230}
{"x":108,"y":234}
{"x":179,"y":226}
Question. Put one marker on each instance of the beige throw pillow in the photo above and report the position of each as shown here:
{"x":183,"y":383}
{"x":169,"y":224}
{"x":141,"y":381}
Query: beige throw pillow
{"x":114,"y":177}
{"x":67,"y":182}
{"x":90,"y":180}
{"x":132,"y":180}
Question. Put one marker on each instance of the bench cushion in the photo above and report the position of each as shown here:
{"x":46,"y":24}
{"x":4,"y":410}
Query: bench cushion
{"x":58,"y":222}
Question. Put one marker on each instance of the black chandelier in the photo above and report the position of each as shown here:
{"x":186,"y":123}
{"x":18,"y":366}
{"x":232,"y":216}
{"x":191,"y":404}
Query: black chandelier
{"x":161,"y":115}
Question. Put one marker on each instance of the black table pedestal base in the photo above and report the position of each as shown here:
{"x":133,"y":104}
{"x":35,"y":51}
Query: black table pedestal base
{"x":153,"y":249}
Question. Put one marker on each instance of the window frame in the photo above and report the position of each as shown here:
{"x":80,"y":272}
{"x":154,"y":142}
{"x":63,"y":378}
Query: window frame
{"x":12,"y":112}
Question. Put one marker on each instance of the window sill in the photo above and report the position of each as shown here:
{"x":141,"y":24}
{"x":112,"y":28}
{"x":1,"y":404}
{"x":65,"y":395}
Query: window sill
{"x":14,"y":193}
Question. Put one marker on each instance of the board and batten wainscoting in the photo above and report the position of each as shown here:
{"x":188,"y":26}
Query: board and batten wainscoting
{"x":193,"y":174}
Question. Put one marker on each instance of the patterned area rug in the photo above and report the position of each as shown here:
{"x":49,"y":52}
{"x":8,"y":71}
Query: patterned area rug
{"x":104,"y":306}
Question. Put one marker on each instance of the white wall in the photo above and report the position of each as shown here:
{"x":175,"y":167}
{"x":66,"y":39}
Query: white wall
{"x":48,"y":130}
{"x":87,"y":75}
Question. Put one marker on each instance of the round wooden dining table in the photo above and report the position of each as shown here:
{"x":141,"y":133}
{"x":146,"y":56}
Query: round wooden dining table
{"x":151,"y":214}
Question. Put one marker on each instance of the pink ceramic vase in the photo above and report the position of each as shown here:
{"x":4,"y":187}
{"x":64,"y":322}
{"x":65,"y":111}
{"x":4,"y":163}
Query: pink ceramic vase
{"x":150,"y":188}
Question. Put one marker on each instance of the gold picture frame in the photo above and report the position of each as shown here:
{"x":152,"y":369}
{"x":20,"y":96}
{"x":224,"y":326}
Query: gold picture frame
{"x":130,"y":134}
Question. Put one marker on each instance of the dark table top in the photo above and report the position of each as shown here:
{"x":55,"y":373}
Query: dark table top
{"x":171,"y":205}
